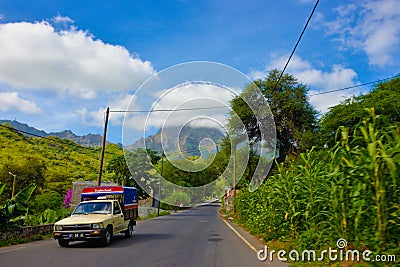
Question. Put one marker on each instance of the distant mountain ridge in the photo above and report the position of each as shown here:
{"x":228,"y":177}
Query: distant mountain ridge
{"x":92,"y":140}
{"x":188,"y":141}
{"x":189,"y":138}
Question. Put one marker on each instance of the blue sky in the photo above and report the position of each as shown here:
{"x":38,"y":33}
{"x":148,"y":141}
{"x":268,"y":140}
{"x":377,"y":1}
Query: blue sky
{"x":63,"y":62}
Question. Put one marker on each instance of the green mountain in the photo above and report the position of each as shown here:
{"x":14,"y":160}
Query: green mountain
{"x":189,"y":140}
{"x":85,"y":140}
{"x":24,"y":127}
{"x":51,"y":162}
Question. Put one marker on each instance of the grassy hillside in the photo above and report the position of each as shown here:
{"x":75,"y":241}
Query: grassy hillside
{"x":85,"y":140}
{"x":52,"y":163}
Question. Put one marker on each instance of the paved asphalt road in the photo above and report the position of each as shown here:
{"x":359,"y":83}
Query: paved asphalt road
{"x":196,"y":237}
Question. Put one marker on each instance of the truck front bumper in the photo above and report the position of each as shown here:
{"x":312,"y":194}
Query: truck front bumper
{"x":83,"y":235}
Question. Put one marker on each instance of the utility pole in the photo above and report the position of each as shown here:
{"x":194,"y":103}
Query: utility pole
{"x":159,"y":185}
{"x":103,"y":147}
{"x":234,"y":175}
{"x":14,"y":183}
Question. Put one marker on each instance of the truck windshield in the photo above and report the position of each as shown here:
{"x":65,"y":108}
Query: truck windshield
{"x":93,"y":208}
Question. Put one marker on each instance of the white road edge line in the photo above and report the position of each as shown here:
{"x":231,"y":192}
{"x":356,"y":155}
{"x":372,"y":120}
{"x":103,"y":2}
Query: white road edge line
{"x":10,"y":250}
{"x":241,"y":237}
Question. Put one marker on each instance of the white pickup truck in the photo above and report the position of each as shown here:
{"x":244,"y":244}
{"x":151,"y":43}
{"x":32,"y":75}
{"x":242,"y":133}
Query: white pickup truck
{"x":103,"y":212}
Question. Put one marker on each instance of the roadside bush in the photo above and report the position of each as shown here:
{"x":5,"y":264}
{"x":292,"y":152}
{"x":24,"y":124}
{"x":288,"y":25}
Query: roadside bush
{"x":47,"y":216}
{"x":46,"y":200}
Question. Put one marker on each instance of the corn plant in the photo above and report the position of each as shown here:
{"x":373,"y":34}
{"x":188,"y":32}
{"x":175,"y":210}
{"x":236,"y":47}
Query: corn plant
{"x":350,"y":191}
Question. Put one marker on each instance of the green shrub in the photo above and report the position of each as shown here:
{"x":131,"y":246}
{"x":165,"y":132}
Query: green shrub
{"x":47,"y":200}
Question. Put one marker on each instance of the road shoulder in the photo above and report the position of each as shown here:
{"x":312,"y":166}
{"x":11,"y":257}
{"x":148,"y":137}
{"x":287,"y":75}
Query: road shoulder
{"x":254,"y":243}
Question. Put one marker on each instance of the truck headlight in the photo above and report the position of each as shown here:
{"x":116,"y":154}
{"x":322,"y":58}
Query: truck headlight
{"x":58,"y":227}
{"x":97,"y":225}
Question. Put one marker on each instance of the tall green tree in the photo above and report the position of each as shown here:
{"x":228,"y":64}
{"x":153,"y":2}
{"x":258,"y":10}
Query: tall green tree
{"x":384,"y":98}
{"x":117,"y":165}
{"x":138,"y":167}
{"x":28,"y":169}
{"x":294,"y":116}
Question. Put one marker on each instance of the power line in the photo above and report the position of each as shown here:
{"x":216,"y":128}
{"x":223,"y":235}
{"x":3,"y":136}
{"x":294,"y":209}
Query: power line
{"x":216,"y":107}
{"x":200,"y":108}
{"x":297,"y":43}
{"x":165,"y":110}
{"x":355,"y":86}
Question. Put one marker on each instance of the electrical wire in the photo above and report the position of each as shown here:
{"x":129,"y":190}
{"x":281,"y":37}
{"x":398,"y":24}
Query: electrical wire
{"x":186,"y":109}
{"x":165,"y":110}
{"x":297,"y":43}
{"x":216,"y":107}
{"x":355,"y":86}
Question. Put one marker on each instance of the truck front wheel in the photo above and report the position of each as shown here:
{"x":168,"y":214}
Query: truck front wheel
{"x":63,"y":242}
{"x":107,"y":237}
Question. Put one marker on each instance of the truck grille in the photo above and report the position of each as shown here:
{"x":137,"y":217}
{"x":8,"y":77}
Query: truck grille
{"x":75,"y":227}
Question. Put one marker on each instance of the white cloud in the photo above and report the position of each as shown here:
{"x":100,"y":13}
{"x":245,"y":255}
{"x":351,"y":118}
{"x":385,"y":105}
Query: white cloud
{"x":92,"y":117}
{"x":318,"y":80}
{"x":12,"y":101}
{"x":117,"y":103}
{"x":72,"y":62}
{"x":62,"y":19}
{"x":372,"y":26}
{"x":323,"y":102}
{"x":198,"y":102}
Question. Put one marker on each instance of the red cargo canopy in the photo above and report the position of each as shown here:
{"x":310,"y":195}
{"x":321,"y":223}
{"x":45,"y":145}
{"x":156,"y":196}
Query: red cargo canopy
{"x":103,"y":190}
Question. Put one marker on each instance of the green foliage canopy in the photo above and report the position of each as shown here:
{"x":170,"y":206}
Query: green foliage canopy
{"x":294,"y":116}
{"x":384,"y":98}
